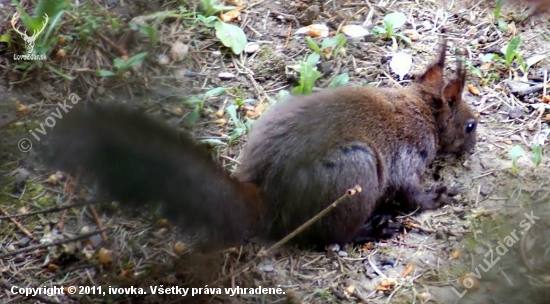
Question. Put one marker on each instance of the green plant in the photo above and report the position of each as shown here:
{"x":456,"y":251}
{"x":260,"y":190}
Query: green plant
{"x":122,"y":66}
{"x":515,"y":153}
{"x":230,"y":35}
{"x":43,"y":24}
{"x":308,"y":75}
{"x":510,"y":53}
{"x":391,"y":23}
{"x":241,"y":127}
{"x":339,"y":81}
{"x":537,"y":155}
{"x":198,"y":102}
{"x":329,"y":47}
{"x":496,"y":14}
{"x":211,"y":7}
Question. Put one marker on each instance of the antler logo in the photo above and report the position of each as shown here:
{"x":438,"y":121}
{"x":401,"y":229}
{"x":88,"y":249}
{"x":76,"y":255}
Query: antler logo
{"x":29,"y":41}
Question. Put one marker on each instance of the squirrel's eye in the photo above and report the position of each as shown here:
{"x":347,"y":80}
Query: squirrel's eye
{"x":470,"y":126}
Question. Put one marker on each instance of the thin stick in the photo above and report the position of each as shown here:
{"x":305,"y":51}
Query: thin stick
{"x":77,"y":238}
{"x":98,"y":222}
{"x":54,"y":209}
{"x":263,"y":253}
{"x":25,"y":231}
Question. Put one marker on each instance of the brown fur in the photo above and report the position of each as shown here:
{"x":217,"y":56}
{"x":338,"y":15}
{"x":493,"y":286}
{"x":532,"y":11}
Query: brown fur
{"x":305,"y":152}
{"x":302,"y":154}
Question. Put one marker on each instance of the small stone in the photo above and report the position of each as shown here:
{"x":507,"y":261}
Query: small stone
{"x":343,"y":254}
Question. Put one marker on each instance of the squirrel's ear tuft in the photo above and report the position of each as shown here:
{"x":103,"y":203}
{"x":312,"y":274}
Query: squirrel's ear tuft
{"x":453,"y":91}
{"x":433,"y":76}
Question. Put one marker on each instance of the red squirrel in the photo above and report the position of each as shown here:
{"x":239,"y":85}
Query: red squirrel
{"x":301,"y":155}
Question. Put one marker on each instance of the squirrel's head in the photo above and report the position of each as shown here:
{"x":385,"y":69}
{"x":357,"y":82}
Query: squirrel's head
{"x":455,"y":121}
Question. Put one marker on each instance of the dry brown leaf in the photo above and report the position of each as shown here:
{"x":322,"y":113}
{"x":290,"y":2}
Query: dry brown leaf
{"x":163,"y":223}
{"x":177,"y":110}
{"x":486,"y":66}
{"x":178,"y":247}
{"x":53,"y":179}
{"x":231,"y":15}
{"x":456,"y":254}
{"x":22,"y":109}
{"x":128,"y":273}
{"x":408,"y":270}
{"x":105,"y":256}
{"x":473,"y":90}
{"x":412,"y":34}
{"x":386,"y":284}
{"x":469,"y":282}
{"x":314,"y":30}
{"x":52,"y":267}
{"x":349,"y":290}
{"x":179,"y":51}
{"x":61,"y":53}
{"x":221,"y":122}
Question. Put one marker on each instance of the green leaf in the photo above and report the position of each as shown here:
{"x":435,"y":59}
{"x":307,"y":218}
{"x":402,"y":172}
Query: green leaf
{"x":231,"y":36}
{"x":489,"y":57}
{"x":50,"y":7}
{"x":214,"y":92}
{"x":124,"y":65}
{"x":193,"y":117}
{"x":395,"y":20}
{"x":232,"y":111}
{"x":502,"y":25}
{"x":192,"y":100}
{"x":339,"y":81}
{"x":207,"y":21}
{"x":378,"y":30}
{"x":105,"y":73}
{"x":537,"y":155}
{"x":313,"y":45}
{"x":511,"y":50}
{"x":6,"y":37}
{"x":212,"y":141}
{"x":516,"y":152}
{"x":313,"y":59}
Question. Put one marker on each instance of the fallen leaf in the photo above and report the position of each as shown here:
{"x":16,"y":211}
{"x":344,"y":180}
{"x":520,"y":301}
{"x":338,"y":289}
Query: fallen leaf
{"x":469,"y":282}
{"x":354,"y":31}
{"x":179,"y":247}
{"x":21,"y":109}
{"x":231,"y":15}
{"x":179,"y":51}
{"x":105,"y":256}
{"x":456,"y":254}
{"x":473,"y":90}
{"x":349,"y":290}
{"x":401,"y":64}
{"x":408,"y":270}
{"x":314,"y":30}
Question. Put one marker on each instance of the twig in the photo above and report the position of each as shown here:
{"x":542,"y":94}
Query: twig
{"x":77,"y":238}
{"x":25,"y":231}
{"x":263,"y":253}
{"x":61,"y":222}
{"x":98,"y":222}
{"x":54,"y":209}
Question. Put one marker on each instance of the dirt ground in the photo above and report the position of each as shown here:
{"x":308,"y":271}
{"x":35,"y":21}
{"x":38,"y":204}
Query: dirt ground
{"x":494,"y":238}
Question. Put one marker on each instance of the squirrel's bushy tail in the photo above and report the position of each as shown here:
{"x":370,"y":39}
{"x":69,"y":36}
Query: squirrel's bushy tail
{"x":138,"y":160}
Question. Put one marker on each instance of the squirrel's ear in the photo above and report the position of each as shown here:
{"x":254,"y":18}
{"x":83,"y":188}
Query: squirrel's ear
{"x":434,"y":74}
{"x":453,"y":91}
